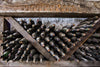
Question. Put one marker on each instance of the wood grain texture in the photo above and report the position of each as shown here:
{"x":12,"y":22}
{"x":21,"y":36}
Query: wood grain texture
{"x":66,"y":9}
{"x":1,"y":23}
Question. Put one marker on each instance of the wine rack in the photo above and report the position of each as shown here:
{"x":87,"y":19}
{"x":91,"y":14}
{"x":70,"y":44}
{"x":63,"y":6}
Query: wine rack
{"x":72,"y":46}
{"x":83,"y":39}
{"x":90,"y":50}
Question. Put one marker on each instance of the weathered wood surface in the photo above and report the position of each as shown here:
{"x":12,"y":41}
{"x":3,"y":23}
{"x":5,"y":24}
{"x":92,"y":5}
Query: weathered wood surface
{"x":1,"y":23}
{"x":83,"y":40}
{"x":46,"y":14}
{"x":1,"y":26}
{"x":29,"y":38}
{"x":50,"y":64}
{"x":49,"y":8}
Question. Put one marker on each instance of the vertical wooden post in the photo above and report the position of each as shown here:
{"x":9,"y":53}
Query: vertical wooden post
{"x":2,"y":29}
{"x":2,"y":26}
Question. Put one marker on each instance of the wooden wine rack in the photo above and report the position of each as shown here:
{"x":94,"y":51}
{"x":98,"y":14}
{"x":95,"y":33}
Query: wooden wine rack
{"x":11,"y":21}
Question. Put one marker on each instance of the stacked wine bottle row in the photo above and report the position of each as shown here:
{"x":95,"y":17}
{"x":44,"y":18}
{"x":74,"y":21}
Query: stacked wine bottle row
{"x":55,"y":41}
{"x":17,"y":48}
{"x":89,"y":51}
{"x":83,"y":28}
{"x":82,"y":32}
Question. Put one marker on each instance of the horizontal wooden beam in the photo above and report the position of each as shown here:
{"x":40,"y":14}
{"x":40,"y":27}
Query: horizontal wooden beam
{"x":29,"y":38}
{"x":47,"y":14}
{"x":47,"y":10}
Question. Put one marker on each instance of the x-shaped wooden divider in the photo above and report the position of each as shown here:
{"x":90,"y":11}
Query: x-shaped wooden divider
{"x":41,"y":49}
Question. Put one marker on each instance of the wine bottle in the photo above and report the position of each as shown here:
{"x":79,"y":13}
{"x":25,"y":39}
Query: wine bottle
{"x":69,"y":35}
{"x":52,"y":27}
{"x":41,"y":58}
{"x":17,"y":35}
{"x":71,"y":26}
{"x":96,"y":35}
{"x":80,"y":58}
{"x":86,"y":26}
{"x":30,"y":23}
{"x":40,"y":30}
{"x":29,"y":47}
{"x":65,"y":30}
{"x":56,"y":38}
{"x":23,"y":47}
{"x":53,"y":54}
{"x":5,"y":55}
{"x":52,"y":43}
{"x":82,"y":30}
{"x":17,"y":58}
{"x":61,"y":35}
{"x":70,"y":44}
{"x":30,"y":31}
{"x":47,"y":47}
{"x":9,"y":48}
{"x":12,"y":43}
{"x":7,"y":32}
{"x":78,"y":34}
{"x":61,"y":44}
{"x":95,"y":41}
{"x":5,"y":42}
{"x":42,"y":43}
{"x":89,"y":41}
{"x":38,"y":39}
{"x":64,"y":46}
{"x":74,"y":39}
{"x":43,"y":35}
{"x":52,"y":34}
{"x":39,"y":22}
{"x":17,"y":40}
{"x":35,"y":58}
{"x":23,"y":40}
{"x":65,"y":39}
{"x":10,"y":37}
{"x":47,"y":39}
{"x":32,"y":53}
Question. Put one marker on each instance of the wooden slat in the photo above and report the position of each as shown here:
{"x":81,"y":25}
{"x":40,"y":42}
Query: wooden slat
{"x":48,"y":14}
{"x":2,"y":22}
{"x":83,"y":40}
{"x":29,"y":38}
{"x":47,"y":10}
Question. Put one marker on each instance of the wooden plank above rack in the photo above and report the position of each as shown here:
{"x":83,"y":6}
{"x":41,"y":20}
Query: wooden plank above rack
{"x":47,"y":10}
